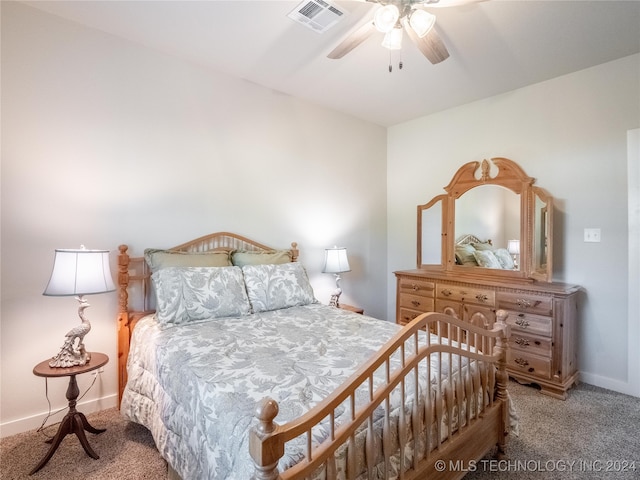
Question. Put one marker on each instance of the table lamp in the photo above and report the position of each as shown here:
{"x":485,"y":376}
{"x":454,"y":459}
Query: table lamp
{"x":78,"y":272}
{"x":336,"y":262}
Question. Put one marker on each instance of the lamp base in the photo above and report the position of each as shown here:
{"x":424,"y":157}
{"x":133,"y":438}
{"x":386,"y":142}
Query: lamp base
{"x":335,"y":300}
{"x":70,"y":354}
{"x":335,"y":296}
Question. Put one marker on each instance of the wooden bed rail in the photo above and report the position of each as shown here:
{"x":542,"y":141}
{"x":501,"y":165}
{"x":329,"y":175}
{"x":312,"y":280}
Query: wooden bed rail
{"x":423,"y":425}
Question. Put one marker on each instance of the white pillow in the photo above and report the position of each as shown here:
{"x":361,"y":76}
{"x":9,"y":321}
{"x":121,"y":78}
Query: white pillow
{"x":272,"y":287}
{"x":188,"y":294}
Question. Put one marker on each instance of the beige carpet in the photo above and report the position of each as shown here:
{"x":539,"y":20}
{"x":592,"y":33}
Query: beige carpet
{"x":126,"y":451}
{"x":596,"y":429}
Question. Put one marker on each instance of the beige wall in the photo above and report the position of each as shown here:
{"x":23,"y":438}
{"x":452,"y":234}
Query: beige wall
{"x":570,"y":133}
{"x":105,"y":142}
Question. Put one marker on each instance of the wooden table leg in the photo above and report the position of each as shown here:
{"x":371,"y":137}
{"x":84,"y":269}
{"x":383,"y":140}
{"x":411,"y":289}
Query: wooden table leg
{"x":73,"y":422}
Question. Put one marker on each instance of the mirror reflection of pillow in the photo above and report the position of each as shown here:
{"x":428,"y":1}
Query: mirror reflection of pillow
{"x":464,"y":255}
{"x":505,"y":259}
{"x":487,"y":259}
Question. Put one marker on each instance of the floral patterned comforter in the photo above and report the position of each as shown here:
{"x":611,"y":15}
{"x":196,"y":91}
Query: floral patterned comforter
{"x":195,"y":386}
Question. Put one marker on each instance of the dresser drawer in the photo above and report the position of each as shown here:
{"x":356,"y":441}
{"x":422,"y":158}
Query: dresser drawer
{"x":519,"y":361}
{"x":412,"y":286}
{"x":537,"y":304}
{"x":466,"y":295}
{"x":531,"y":324}
{"x":416,"y":302}
{"x":407,"y":315}
{"x":529,"y":344}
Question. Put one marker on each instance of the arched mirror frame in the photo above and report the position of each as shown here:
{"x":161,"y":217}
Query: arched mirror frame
{"x":536,"y":222}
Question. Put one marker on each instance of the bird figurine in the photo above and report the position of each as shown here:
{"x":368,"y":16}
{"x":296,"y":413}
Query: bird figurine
{"x":73,"y":353}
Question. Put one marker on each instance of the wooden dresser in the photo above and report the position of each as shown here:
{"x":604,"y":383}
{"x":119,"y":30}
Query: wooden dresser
{"x":543,"y":319}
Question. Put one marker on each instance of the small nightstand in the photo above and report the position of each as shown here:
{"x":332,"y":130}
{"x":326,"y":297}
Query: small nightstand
{"x":351,"y":308}
{"x":74,"y":421}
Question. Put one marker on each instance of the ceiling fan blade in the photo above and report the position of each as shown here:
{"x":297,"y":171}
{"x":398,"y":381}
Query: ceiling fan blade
{"x":352,"y":41}
{"x":431,"y":45}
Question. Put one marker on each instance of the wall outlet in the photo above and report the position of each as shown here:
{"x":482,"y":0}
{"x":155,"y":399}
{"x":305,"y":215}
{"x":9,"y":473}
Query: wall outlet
{"x":591,"y":234}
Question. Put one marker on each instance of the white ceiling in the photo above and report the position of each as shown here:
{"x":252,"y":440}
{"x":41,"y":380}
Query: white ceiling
{"x":495,"y":46}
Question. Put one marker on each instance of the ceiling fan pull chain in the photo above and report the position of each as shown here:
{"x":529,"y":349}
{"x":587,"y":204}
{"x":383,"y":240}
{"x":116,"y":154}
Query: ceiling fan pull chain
{"x":390,"y":67}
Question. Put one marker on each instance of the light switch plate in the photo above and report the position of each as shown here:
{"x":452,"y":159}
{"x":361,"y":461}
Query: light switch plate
{"x":591,"y":234}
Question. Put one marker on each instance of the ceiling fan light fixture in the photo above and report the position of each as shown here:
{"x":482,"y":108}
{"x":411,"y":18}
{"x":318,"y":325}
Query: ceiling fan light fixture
{"x":386,"y":18}
{"x":393,"y":39}
{"x":421,"y":22}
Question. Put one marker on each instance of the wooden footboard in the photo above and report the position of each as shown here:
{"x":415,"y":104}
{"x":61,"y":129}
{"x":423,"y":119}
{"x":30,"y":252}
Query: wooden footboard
{"x":453,"y":417}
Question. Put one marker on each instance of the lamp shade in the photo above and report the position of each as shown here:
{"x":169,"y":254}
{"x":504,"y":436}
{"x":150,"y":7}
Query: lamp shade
{"x":513,"y":247}
{"x":386,"y":18}
{"x":393,"y":39}
{"x":335,"y":260}
{"x":80,"y":272}
{"x":421,"y":22}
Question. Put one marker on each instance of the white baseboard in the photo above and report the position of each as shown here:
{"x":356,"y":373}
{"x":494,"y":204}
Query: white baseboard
{"x":31,"y":423}
{"x":610,"y":384}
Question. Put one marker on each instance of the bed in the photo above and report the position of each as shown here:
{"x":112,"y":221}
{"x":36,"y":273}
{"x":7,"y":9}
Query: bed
{"x":270,"y":384}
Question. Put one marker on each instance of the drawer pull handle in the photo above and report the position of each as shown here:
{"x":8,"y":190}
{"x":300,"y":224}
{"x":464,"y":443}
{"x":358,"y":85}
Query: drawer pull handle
{"x":522,"y":342}
{"x":481,"y":297}
{"x":522,"y":322}
{"x":446,"y":292}
{"x":415,"y":287}
{"x":521,"y":362}
{"x":415,"y":303}
{"x":522,"y":303}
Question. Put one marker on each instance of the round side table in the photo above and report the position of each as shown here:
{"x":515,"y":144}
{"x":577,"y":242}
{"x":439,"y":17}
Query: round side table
{"x":74,"y":421}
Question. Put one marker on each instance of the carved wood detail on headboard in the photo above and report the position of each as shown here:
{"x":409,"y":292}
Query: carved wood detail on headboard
{"x":470,"y":238}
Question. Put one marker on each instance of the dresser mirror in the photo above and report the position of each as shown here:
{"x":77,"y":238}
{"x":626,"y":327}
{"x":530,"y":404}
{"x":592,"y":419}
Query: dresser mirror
{"x":492,"y":223}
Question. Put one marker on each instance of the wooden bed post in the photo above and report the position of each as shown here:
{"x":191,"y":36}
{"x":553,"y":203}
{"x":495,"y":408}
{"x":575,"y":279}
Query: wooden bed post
{"x":502,"y":378}
{"x":265,"y":448}
{"x":124,"y":335}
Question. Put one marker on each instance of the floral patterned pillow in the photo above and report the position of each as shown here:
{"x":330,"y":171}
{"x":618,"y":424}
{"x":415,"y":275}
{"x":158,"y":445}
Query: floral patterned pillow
{"x":272,"y":287}
{"x":505,"y":259}
{"x":487,"y":259}
{"x":189,"y":294}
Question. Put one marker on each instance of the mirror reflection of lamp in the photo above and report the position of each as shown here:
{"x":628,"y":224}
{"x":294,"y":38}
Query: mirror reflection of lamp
{"x":336,"y":262}
{"x":513,"y":247}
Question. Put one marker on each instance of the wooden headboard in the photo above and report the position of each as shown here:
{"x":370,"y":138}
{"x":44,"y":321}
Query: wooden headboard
{"x":135,"y":296}
{"x":470,"y":238}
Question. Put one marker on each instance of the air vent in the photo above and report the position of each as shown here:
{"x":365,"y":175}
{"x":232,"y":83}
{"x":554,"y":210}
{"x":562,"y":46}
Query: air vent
{"x":317,"y":15}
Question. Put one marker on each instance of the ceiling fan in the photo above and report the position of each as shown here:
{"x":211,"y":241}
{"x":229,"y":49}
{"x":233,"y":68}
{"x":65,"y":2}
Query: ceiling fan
{"x":391,"y":17}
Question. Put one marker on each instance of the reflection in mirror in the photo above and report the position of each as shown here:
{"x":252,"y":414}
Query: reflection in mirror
{"x":489,"y":212}
{"x":431,"y":239}
{"x":540,"y":238}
